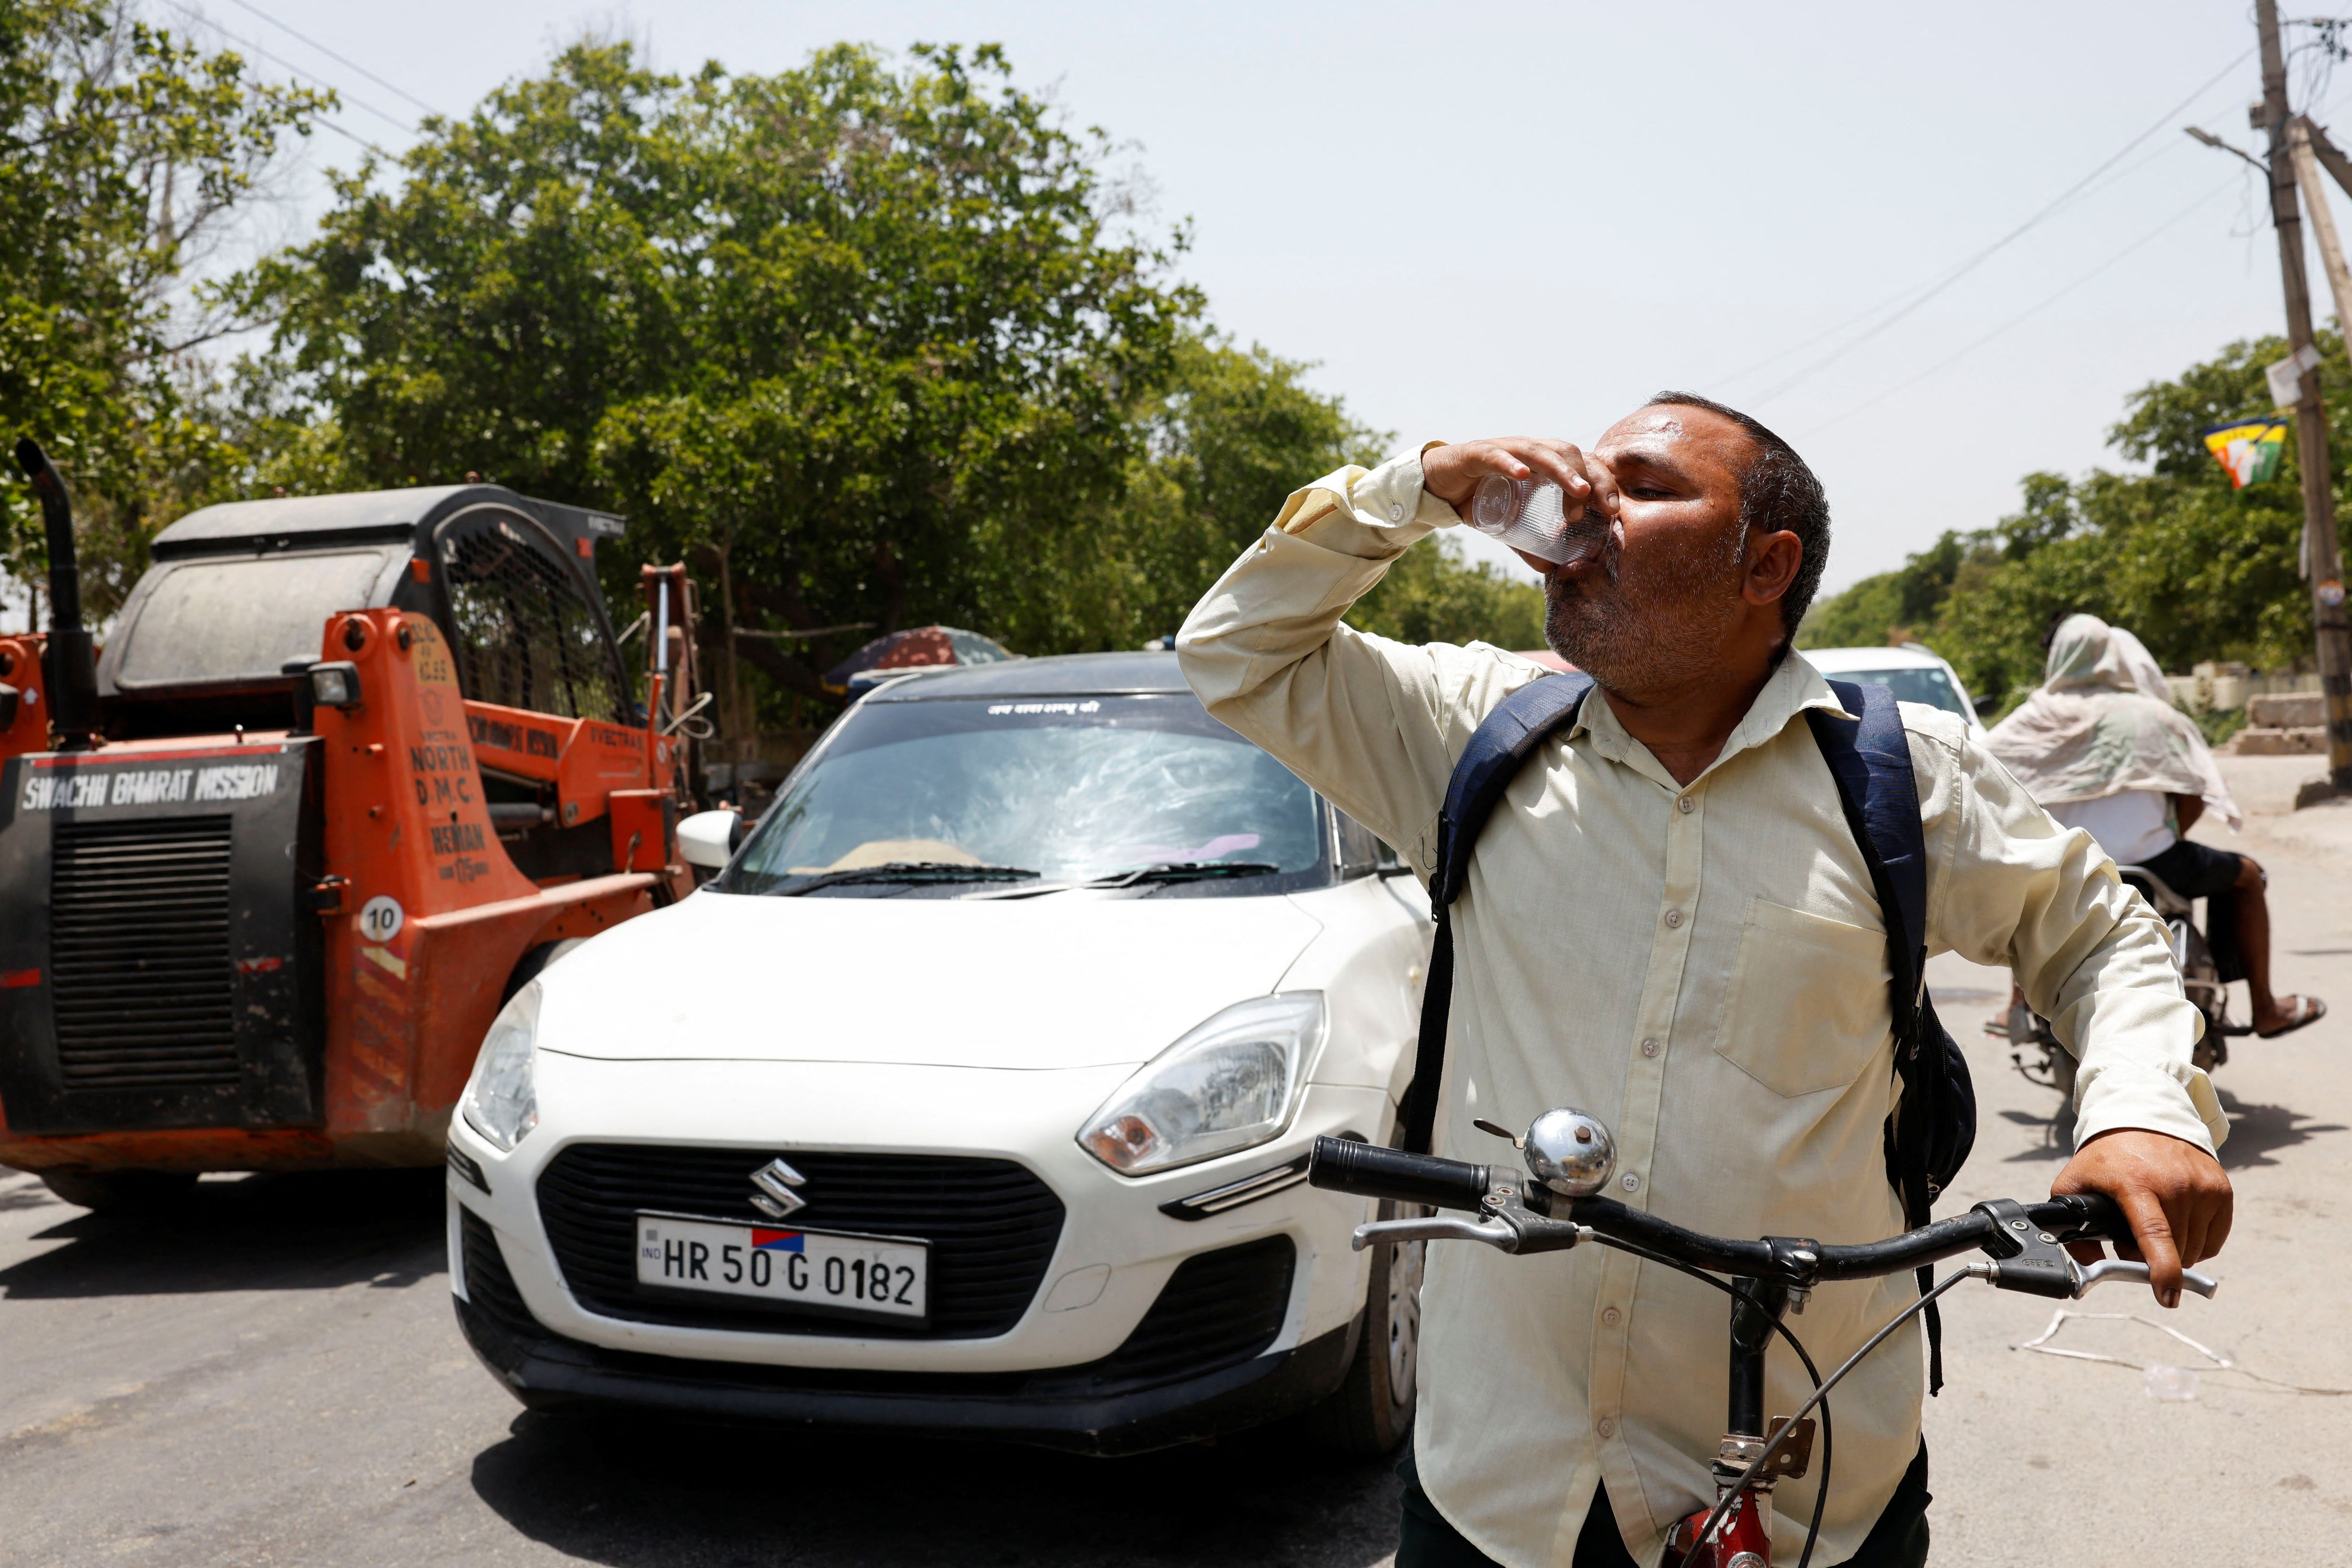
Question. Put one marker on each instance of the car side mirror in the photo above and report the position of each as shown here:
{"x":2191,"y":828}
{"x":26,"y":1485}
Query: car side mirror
{"x":707,"y":839}
{"x":1987,"y":707}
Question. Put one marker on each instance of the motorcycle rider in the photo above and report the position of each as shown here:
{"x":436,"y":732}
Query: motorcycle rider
{"x":2101,"y":746}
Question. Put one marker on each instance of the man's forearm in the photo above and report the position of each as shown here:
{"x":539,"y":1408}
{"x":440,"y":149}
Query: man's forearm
{"x":1358,"y":718}
{"x":1283,"y":600}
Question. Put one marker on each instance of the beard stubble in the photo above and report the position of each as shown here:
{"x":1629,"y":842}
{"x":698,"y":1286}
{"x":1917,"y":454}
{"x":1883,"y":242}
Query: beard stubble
{"x":1649,"y":623}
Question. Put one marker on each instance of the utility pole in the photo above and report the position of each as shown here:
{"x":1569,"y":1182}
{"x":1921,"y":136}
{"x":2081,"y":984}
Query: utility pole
{"x":2333,"y":632}
{"x":2300,"y":137}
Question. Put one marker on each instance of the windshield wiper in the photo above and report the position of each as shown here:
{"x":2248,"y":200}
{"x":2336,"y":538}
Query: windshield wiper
{"x":1184,"y":871}
{"x":907,"y":871}
{"x":1164,"y":872}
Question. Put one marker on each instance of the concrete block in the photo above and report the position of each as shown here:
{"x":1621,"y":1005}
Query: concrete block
{"x":2251,"y":742}
{"x":2287,"y":711}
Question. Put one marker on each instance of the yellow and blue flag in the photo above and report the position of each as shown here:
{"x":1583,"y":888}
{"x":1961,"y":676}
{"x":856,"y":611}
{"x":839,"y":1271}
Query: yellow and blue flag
{"x":2249,"y":448}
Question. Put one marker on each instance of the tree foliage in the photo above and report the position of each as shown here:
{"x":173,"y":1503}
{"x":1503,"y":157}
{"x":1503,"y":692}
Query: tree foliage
{"x":128,"y":153}
{"x":869,"y":345}
{"x":872,"y":335}
{"x":1233,"y":436}
{"x":2198,"y":570}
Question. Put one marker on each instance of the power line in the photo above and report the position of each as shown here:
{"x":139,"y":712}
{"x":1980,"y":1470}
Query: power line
{"x":2023,"y":317}
{"x":338,"y":59}
{"x":202,"y":20}
{"x":1944,"y":282}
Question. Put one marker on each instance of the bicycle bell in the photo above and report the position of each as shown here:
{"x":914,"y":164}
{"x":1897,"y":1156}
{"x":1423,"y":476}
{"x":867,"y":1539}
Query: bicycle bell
{"x":1570,"y":1153}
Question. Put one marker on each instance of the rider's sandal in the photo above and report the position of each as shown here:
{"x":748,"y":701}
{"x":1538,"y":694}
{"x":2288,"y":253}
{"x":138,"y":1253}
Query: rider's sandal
{"x":2301,"y":1010}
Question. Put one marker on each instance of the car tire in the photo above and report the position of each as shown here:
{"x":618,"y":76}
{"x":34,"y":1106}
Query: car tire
{"x":1371,"y":1411}
{"x":120,"y":1191}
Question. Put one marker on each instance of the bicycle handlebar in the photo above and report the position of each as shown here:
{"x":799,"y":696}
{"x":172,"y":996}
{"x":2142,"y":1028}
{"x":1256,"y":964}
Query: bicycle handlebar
{"x":1369,"y":1171}
{"x":1548,"y":1221}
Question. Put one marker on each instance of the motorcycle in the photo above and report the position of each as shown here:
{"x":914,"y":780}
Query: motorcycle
{"x":2035,"y":1052}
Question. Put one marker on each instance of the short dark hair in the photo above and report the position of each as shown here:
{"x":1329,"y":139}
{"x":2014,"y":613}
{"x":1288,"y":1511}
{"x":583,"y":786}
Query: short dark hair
{"x":1777,"y":493}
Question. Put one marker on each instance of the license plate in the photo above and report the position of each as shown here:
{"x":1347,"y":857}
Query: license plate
{"x":814,"y":1270}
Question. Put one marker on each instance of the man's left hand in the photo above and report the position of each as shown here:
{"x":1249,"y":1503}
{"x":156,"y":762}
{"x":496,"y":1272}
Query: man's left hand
{"x":2173,"y":1195}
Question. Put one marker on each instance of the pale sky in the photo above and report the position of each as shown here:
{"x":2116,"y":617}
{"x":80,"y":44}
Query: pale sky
{"x":1523,"y":219}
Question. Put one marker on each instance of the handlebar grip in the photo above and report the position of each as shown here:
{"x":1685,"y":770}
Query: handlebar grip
{"x":2084,"y":1217}
{"x":1369,"y":1171}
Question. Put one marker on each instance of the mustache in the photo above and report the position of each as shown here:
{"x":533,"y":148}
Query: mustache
{"x":1590,"y":535}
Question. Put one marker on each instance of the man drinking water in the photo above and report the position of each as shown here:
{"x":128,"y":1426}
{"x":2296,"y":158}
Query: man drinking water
{"x":1669,"y":924}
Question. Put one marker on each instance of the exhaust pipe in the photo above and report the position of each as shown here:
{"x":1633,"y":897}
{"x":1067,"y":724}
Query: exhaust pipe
{"x":70,"y":665}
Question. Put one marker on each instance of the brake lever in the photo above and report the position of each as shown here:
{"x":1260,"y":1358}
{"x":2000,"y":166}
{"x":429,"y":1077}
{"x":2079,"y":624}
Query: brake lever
{"x":1435,"y":1228}
{"x":2076,"y":1279}
{"x":1505,"y":1222}
{"x":2121,"y":1268}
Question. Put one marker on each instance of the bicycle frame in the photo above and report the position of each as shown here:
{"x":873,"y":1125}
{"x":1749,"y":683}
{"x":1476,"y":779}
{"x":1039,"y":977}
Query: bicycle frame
{"x":1569,"y":1157}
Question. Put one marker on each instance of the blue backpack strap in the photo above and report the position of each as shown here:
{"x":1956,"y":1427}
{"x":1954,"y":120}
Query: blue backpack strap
{"x":1872,"y":764}
{"x":1503,"y":741}
{"x":1934,"y":1124}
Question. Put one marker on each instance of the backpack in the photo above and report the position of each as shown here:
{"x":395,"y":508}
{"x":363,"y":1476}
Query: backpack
{"x":1929,"y":1136}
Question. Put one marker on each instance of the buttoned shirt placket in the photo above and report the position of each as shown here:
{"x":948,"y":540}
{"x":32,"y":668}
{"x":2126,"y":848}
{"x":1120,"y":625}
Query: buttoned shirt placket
{"x":1653,"y":1037}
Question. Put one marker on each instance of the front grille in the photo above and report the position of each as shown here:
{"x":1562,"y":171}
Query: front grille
{"x":139,"y":955}
{"x":992,"y":1226}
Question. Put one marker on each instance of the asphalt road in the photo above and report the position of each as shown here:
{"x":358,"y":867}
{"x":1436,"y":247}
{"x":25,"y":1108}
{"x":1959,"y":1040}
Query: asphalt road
{"x":272,"y":1375}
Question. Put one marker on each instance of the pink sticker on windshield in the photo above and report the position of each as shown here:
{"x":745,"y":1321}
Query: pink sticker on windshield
{"x":1223,"y":844}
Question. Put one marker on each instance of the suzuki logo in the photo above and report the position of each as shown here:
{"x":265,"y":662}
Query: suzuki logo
{"x":772,"y":1194}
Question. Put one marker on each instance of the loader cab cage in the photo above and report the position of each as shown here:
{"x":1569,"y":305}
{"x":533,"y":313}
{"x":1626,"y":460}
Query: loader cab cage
{"x":237,"y":592}
{"x":526,"y":633}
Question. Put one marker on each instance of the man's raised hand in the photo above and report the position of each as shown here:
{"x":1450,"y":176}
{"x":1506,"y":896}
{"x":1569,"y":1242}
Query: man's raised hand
{"x":1452,"y":472}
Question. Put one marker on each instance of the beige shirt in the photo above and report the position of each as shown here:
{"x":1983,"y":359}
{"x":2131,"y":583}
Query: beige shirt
{"x":1705,"y":969}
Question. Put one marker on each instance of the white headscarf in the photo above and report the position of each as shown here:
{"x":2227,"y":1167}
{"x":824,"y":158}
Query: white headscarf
{"x":2103,"y":722}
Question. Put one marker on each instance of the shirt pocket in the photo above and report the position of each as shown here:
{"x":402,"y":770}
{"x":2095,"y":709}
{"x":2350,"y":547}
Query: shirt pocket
{"x":1807,"y":1006}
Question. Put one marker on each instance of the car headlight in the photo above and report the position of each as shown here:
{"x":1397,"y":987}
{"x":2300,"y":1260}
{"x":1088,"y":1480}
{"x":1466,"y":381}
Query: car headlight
{"x":499,"y":1102}
{"x":1229,"y":1084}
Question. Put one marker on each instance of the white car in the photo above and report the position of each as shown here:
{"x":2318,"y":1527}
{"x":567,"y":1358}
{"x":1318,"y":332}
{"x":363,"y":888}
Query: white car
{"x":973,"y":1096}
{"x":1913,"y":672}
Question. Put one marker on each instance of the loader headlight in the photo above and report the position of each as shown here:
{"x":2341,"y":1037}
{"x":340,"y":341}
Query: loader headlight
{"x":335,"y":684}
{"x":499,"y":1102}
{"x":1229,"y":1084}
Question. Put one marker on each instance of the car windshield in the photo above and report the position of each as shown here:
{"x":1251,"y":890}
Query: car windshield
{"x":1067,"y":789}
{"x":1929,"y":686}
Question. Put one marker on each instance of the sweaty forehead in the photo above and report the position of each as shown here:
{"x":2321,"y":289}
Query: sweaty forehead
{"x":1672,"y":433}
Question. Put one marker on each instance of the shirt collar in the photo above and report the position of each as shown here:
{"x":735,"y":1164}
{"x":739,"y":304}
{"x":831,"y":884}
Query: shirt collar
{"x":1792,"y":688}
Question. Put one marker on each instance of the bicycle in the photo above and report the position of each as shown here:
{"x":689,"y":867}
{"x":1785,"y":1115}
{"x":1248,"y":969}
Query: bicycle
{"x":1569,"y":1157}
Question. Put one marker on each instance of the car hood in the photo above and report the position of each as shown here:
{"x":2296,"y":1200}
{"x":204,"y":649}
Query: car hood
{"x":1068,"y":980}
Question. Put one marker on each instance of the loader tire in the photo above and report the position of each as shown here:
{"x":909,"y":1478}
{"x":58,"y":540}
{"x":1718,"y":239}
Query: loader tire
{"x":534,"y":963}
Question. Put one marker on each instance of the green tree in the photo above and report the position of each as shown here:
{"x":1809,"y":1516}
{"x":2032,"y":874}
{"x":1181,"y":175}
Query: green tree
{"x":862,"y":340}
{"x":1223,"y":444}
{"x":868,"y":346}
{"x":128,"y":154}
{"x":2198,"y":569}
{"x":1233,"y":436}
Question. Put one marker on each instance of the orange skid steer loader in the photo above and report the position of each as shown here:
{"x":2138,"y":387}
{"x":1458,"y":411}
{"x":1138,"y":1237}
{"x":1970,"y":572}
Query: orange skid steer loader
{"x":350,"y":769}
